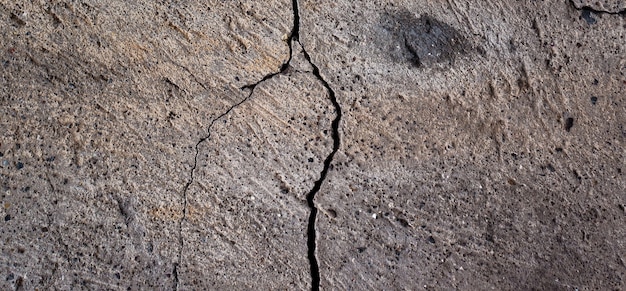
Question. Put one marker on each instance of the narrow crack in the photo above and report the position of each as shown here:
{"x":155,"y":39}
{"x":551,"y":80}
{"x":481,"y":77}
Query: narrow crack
{"x":251,"y":87}
{"x":186,"y":188}
{"x":590,"y":9}
{"x":310,"y":197}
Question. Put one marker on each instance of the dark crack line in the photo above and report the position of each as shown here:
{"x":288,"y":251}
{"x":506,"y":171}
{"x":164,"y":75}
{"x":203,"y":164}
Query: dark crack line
{"x":293,"y":34}
{"x":588,"y":8}
{"x":186,"y":188}
{"x":310,"y":197}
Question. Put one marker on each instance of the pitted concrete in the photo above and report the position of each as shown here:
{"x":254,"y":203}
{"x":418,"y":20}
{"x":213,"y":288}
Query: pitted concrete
{"x":312,"y":144}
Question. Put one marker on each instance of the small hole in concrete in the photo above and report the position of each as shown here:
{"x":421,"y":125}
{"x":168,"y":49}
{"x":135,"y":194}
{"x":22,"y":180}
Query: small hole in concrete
{"x":569,"y":123}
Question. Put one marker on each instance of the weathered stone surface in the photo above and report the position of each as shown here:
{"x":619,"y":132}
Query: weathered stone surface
{"x":179,"y":145}
{"x":502,"y":169}
{"x":246,"y":222}
{"x":102,"y":104}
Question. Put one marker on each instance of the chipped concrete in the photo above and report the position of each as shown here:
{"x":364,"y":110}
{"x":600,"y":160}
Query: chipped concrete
{"x":312,"y":145}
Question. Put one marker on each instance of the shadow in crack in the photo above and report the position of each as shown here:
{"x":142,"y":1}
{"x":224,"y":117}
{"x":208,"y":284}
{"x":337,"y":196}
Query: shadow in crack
{"x":310,"y":197}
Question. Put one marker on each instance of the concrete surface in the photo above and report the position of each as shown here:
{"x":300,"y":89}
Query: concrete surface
{"x":337,"y":145}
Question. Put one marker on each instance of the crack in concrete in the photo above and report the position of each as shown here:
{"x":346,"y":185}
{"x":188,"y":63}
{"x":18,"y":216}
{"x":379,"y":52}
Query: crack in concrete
{"x":186,"y":188}
{"x":590,"y":9}
{"x":310,"y":197}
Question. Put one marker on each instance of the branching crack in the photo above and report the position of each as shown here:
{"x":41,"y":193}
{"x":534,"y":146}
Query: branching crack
{"x":310,"y":197}
{"x":191,"y":179}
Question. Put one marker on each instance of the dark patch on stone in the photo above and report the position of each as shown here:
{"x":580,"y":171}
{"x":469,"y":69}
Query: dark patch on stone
{"x":594,"y":100}
{"x":431,"y":41}
{"x":578,"y":177}
{"x":598,"y":7}
{"x":587,"y":15}
{"x":569,"y":123}
{"x":403,"y":222}
{"x":19,"y":283}
{"x":427,"y":40}
{"x":17,"y":20}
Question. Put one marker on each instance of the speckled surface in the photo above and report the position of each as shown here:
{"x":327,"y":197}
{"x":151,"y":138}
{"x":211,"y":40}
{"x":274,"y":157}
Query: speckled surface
{"x":345,"y":145}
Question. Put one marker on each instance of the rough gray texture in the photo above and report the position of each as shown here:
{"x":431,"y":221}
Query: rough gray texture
{"x":169,"y":145}
{"x":102,"y":105}
{"x":503,"y":170}
{"x":246,"y":213}
{"x":614,"y":6}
